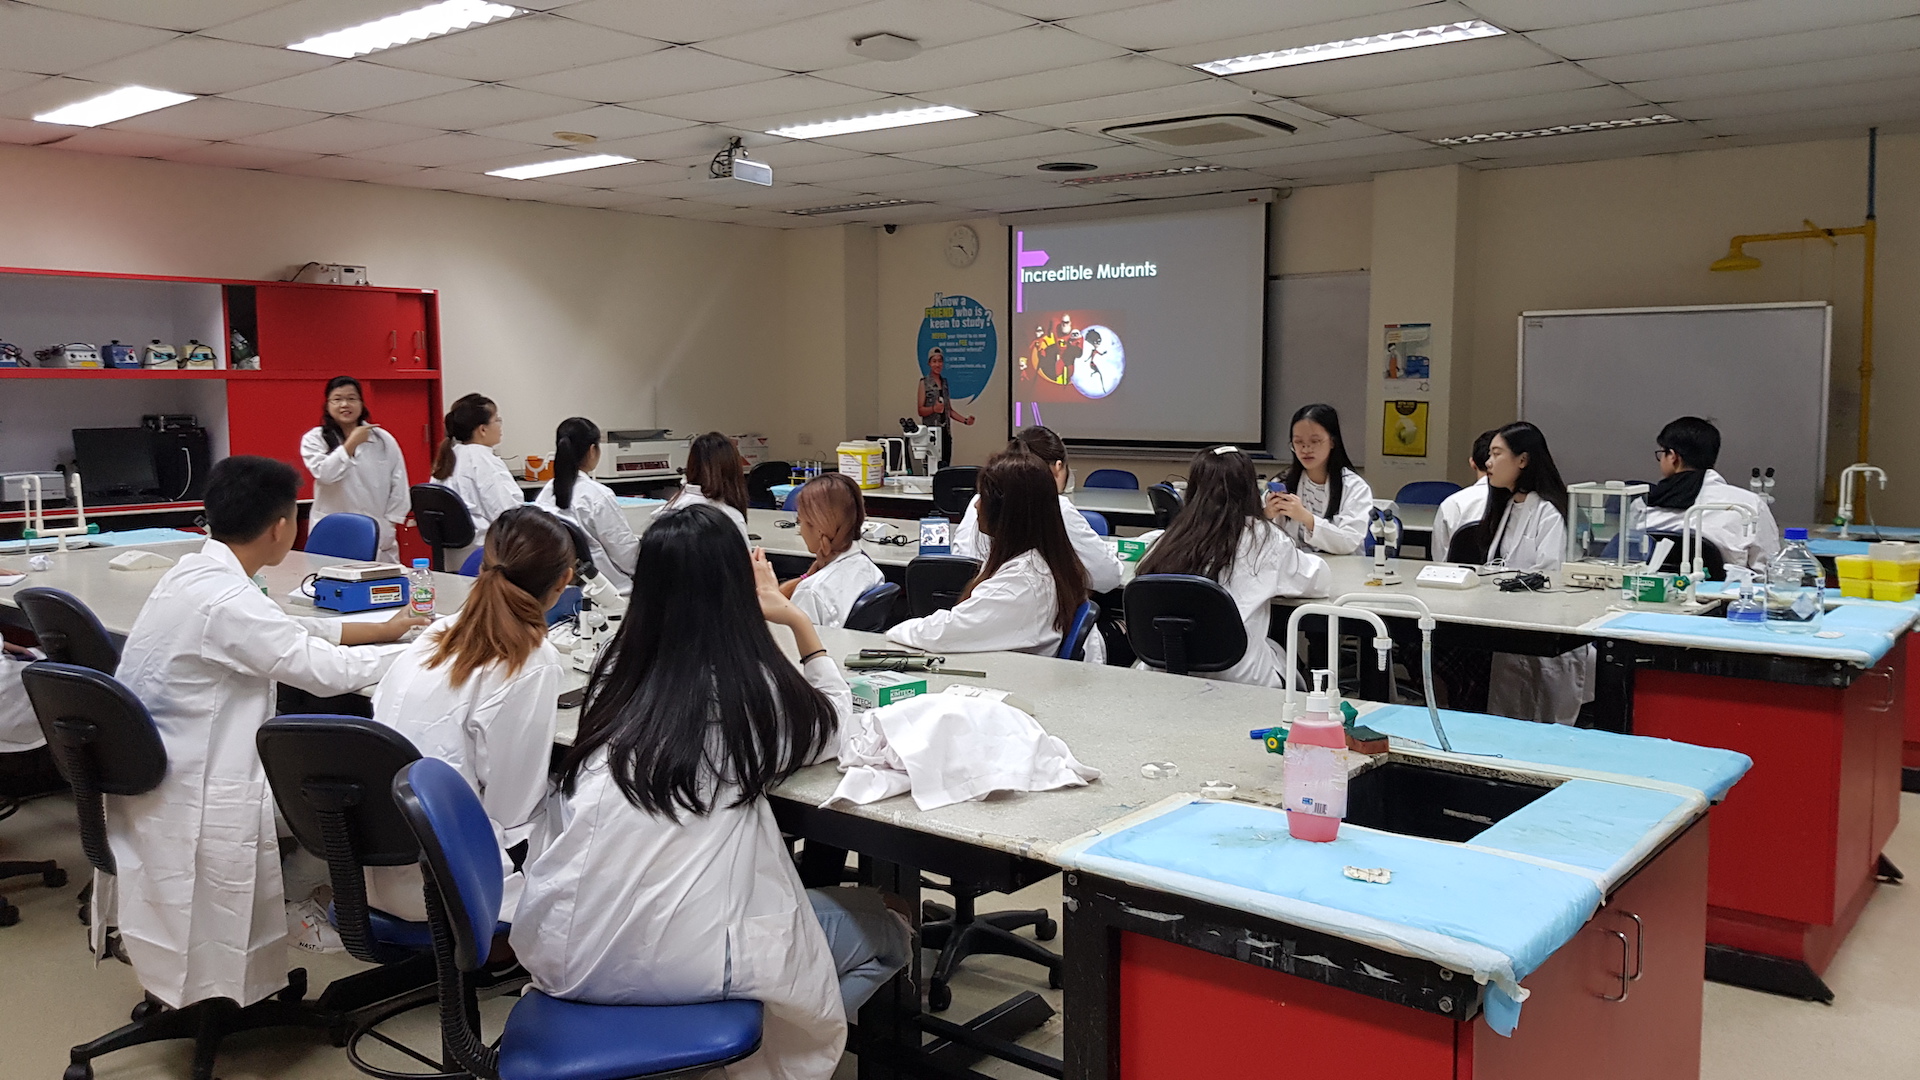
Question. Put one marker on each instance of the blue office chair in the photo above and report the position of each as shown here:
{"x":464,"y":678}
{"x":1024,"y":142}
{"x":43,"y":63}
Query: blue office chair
{"x":873,"y":611}
{"x":1183,"y":623}
{"x":1426,"y":492}
{"x":1099,"y":522}
{"x":1073,"y":644}
{"x":792,"y":501}
{"x":1113,"y":478}
{"x":471,"y":568}
{"x":345,"y":536}
{"x":545,"y":1038}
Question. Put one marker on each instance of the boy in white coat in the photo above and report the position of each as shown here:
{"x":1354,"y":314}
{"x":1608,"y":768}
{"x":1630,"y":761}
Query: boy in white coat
{"x":1689,"y":448}
{"x":1464,"y":506}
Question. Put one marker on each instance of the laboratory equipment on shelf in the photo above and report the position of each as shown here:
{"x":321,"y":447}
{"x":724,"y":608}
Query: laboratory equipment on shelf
{"x":641,"y":454}
{"x":1847,"y":474}
{"x":1693,"y":565}
{"x":597,"y":621}
{"x":923,"y":445}
{"x":1796,"y":587}
{"x":1762,"y":485}
{"x":1383,"y":523}
{"x":1605,"y":539}
{"x":37,"y":527}
{"x":355,"y":587}
{"x":158,"y":354}
{"x":1314,"y":788}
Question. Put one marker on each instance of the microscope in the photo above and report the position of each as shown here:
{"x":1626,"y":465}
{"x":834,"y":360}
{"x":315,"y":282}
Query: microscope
{"x":923,"y":445}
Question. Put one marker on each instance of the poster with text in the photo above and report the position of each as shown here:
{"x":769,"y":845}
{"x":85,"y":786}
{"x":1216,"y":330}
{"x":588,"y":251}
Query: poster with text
{"x":1406,"y":352}
{"x":1404,"y":434}
{"x":962,"y":329}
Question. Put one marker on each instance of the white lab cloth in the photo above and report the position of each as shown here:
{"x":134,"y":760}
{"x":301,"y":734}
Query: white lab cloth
{"x":1339,"y":530}
{"x":1266,"y":566}
{"x":201,"y":907}
{"x":828,"y":594}
{"x":1105,"y":571}
{"x":614,"y":544}
{"x":484,"y":483}
{"x":19,"y":727}
{"x":1012,"y":611}
{"x":1459,"y":509}
{"x":948,"y":748}
{"x":496,"y":728}
{"x":372,"y":481}
{"x":691,"y":495}
{"x":626,"y":908}
{"x":1532,"y":537}
{"x":1741,"y":544}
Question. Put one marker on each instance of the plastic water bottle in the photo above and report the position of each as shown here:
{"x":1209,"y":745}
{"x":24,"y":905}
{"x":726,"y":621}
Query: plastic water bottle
{"x":1314,"y":790}
{"x":420,"y":590}
{"x":1796,"y":587}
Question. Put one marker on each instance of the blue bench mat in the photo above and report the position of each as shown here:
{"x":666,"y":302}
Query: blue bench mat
{"x":1866,"y":633}
{"x":631,"y":501}
{"x":1590,"y":824}
{"x":128,"y":538}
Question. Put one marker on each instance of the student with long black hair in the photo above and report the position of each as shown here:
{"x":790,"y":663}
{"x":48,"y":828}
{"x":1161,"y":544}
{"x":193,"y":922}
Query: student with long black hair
{"x":1327,"y":504}
{"x":357,"y":467}
{"x":1104,"y":569}
{"x":665,"y":879}
{"x":574,"y":494}
{"x":716,"y":476}
{"x":1025,"y":597}
{"x":465,"y":462}
{"x":1227,"y":531}
{"x":831,"y":511}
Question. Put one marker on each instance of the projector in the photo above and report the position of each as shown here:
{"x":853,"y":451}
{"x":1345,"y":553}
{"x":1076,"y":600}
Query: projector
{"x":753,"y":172}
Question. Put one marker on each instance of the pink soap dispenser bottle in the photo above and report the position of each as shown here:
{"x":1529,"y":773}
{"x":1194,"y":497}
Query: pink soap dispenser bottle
{"x":1314,"y":791}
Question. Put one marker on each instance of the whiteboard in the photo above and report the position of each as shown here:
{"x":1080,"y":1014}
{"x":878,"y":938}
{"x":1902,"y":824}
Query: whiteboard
{"x":1601,"y":384}
{"x":1317,"y":351}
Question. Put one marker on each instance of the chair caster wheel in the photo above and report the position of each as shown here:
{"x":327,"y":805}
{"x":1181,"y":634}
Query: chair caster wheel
{"x":79,"y":1070}
{"x":939,"y":996}
{"x":55,"y":878}
{"x":145,"y":1009}
{"x":296,"y":988}
{"x":1045,"y":930}
{"x":1053,"y":980}
{"x":8,"y":914}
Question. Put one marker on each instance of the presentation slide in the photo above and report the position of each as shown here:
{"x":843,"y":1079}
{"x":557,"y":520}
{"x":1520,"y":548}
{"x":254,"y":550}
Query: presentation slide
{"x":1142,"y":329}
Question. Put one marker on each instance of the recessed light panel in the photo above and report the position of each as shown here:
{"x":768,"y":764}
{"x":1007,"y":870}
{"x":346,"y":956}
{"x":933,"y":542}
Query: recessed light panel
{"x":1360,"y":46}
{"x":434,"y":20}
{"x":560,"y":165}
{"x":1557,"y":129}
{"x":117,"y":105}
{"x":931,"y":114}
{"x":849,"y":208}
{"x":1150,"y":174}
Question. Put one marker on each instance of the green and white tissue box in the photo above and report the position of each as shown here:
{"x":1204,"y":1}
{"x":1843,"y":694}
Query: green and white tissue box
{"x":872,"y":689}
{"x":1130,"y":550}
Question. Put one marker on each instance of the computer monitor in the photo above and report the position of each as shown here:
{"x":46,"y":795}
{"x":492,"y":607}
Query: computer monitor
{"x":116,"y":464}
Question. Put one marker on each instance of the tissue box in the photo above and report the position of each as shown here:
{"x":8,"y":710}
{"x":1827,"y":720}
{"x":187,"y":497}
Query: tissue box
{"x":872,"y":689}
{"x":1654,"y":588}
{"x":1130,"y":550}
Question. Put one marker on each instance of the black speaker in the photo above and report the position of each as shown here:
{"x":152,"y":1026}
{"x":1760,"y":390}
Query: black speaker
{"x":181,"y":458}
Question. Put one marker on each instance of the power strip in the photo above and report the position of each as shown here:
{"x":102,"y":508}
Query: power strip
{"x":1440,"y":576}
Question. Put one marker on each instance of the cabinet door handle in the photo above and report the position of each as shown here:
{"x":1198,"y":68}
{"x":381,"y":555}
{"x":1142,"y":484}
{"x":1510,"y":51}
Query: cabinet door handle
{"x":1639,"y":945}
{"x":419,"y":341}
{"x":1887,"y":702}
{"x":1625,"y":978}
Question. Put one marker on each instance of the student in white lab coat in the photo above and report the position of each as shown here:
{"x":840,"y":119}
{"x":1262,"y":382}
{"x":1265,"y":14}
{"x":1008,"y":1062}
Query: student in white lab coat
{"x":1025,"y":597}
{"x":481,"y":692}
{"x":574,"y":494}
{"x":1463,"y":506}
{"x":1226,"y":531}
{"x":200,"y":893}
{"x":716,"y":476}
{"x":831,"y":512}
{"x":1327,"y":505}
{"x":665,"y":879}
{"x":1689,"y":448}
{"x":357,"y":467}
{"x":1104,"y":568}
{"x":465,"y":462}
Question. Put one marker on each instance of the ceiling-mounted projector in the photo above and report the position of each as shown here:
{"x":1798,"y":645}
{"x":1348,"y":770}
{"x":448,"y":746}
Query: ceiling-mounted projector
{"x":734,"y":162}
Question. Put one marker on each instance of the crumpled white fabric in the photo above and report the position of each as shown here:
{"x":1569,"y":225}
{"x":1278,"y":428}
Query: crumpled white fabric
{"x":947,"y":749}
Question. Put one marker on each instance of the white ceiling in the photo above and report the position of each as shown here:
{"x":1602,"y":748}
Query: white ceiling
{"x":670,"y":81}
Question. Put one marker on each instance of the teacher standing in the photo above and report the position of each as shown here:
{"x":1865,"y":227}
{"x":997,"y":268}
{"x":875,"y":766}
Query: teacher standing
{"x":936,"y":403}
{"x":357,"y":467}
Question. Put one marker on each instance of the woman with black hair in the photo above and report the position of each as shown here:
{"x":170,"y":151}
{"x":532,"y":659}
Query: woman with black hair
{"x":1104,"y":570}
{"x":716,"y":476}
{"x":465,"y":462}
{"x":357,"y":467}
{"x":574,"y":494}
{"x":1327,"y":504}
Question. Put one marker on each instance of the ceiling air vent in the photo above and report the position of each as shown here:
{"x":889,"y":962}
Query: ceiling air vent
{"x":1210,"y":130}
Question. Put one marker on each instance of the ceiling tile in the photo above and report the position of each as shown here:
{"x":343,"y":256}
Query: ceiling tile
{"x":1893,"y":35}
{"x":55,"y":42}
{"x":1064,"y":9}
{"x":1704,"y":26}
{"x":1174,"y":100}
{"x":654,"y":75}
{"x":698,"y":187}
{"x":1534,"y":110}
{"x":589,"y":198}
{"x":1851,"y":120}
{"x":217,"y":118}
{"x":235,"y":156}
{"x":912,"y":183}
{"x":126,"y":143}
{"x":1890,"y":93}
{"x":854,"y":170}
{"x":339,"y":135}
{"x":28,"y":133}
{"x":1283,"y":157}
{"x":348,"y":87}
{"x":346,"y":168}
{"x":1043,"y":143}
{"x":443,"y":180}
{"x":1111,"y":158}
{"x":927,"y":136}
{"x":784,"y":97}
{"x":780,"y":153}
{"x":450,"y":149}
{"x":1592,"y":145}
{"x":1477,"y":57}
{"x":624,"y":177}
{"x":486,"y":105}
{"x":696,"y":141}
{"x":1364,"y":167}
{"x":287,"y":23}
{"x":41,"y":94}
{"x":607,"y":122}
{"x":517,"y":49}
{"x":181,"y":15}
{"x":1175,"y":23}
{"x":199,"y":65}
{"x":1783,"y":77}
{"x":1103,"y":78}
{"x":1539,"y":14}
{"x":1491,"y":86}
{"x":680,"y":21}
{"x":14,"y":80}
{"x":1024,"y":51}
{"x":1192,"y":184}
{"x":819,"y":42}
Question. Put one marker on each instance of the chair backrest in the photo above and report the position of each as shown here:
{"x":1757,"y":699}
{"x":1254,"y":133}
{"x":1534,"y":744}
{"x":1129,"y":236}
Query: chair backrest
{"x":1426,"y":492}
{"x":873,"y":611}
{"x":471,"y":567}
{"x":1113,"y":478}
{"x":1710,"y":554}
{"x":332,"y":777}
{"x":953,"y":488}
{"x":761,"y":480}
{"x":345,"y":536}
{"x":792,"y":501}
{"x":1073,"y":644}
{"x":935,"y":582}
{"x":1166,"y":503}
{"x":103,"y":742}
{"x":68,"y":630}
{"x":1098,"y":522}
{"x":442,"y":518}
{"x":1184,"y":623}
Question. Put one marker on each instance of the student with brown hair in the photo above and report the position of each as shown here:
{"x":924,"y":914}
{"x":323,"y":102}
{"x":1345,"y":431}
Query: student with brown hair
{"x":466,"y":462}
{"x":1102,"y":562}
{"x":716,"y":476}
{"x":481,"y":691}
{"x":831,"y":511}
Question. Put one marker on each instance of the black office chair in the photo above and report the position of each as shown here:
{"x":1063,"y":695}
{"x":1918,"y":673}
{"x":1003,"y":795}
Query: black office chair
{"x":23,"y":776}
{"x":935,"y":582}
{"x":1183,"y":623}
{"x":959,"y":932}
{"x":953,"y":488}
{"x":1710,"y":554}
{"x":444,"y":522}
{"x":873,"y":611}
{"x":1166,"y":502}
{"x":68,"y":630}
{"x":105,"y":743}
{"x":761,"y":480}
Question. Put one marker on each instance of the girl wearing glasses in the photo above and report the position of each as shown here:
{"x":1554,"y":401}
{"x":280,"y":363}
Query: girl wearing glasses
{"x":1327,"y":504}
{"x":357,"y":467}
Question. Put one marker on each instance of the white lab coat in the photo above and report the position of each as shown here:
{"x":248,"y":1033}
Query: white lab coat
{"x":1340,"y":530}
{"x":691,"y":495}
{"x":484,"y":483}
{"x":19,"y":727}
{"x":1459,"y":509}
{"x":1012,"y":611}
{"x":614,"y":544}
{"x":948,"y":748}
{"x":1532,"y":537}
{"x":1742,"y":545}
{"x":1105,"y":571}
{"x":370,"y":481}
{"x":828,"y":594}
{"x":623,"y":907}
{"x":1266,"y":566}
{"x":201,"y":907}
{"x":497,"y":729}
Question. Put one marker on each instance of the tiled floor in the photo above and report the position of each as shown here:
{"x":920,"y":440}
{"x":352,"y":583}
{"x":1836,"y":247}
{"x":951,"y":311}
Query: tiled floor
{"x":51,"y":997}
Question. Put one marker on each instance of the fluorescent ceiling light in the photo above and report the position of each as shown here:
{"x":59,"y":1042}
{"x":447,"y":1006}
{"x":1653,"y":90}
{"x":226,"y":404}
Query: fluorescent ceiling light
{"x":848,"y":208}
{"x":419,"y":24}
{"x":1150,"y":174}
{"x":116,"y":105}
{"x":929,"y":114}
{"x":560,"y":165}
{"x":1360,"y":46}
{"x":1558,"y":129}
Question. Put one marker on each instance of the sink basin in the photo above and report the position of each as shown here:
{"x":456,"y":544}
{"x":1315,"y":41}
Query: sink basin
{"x":1438,"y":804}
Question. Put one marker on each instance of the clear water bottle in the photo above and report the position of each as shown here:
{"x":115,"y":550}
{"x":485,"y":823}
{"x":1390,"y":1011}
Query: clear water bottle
{"x":1747,"y":608}
{"x":420,"y":590}
{"x":1796,"y":587}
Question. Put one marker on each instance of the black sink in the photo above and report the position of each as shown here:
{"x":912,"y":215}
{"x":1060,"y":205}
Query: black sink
{"x":1414,"y":800}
